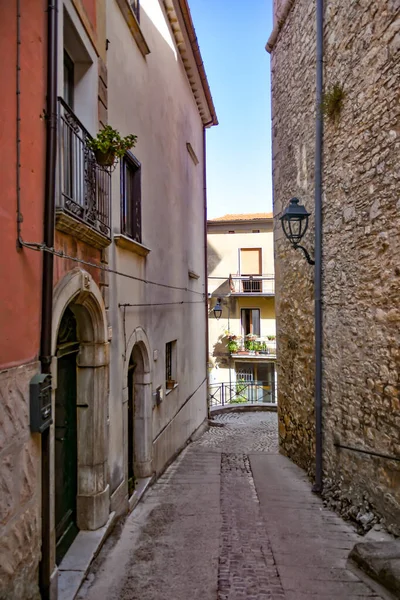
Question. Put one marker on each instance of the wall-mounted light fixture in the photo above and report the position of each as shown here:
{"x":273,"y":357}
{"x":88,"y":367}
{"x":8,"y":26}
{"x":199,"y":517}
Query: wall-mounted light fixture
{"x":217,"y":310}
{"x":295,"y":224}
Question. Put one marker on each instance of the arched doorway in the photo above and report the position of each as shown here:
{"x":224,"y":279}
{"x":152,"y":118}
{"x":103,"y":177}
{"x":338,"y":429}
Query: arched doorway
{"x":139,"y":416}
{"x":80,"y":349}
{"x":65,"y":438}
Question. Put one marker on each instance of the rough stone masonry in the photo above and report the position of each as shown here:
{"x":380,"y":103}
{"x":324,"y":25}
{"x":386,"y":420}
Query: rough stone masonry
{"x":361,"y":249}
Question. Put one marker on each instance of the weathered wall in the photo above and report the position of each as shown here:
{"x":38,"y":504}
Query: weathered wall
{"x":293,"y":91}
{"x":20,"y":299}
{"x":151,"y":97}
{"x":19,"y":488}
{"x":361,"y":249}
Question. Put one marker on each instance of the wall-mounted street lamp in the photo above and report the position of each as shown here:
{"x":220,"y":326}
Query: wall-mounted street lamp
{"x":217,"y":310}
{"x":295,"y":224}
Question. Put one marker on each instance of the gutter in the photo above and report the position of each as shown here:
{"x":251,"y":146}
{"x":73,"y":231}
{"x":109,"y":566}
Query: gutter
{"x":185,"y":10}
{"x":318,"y":485}
{"x":45,"y":567}
{"x":280,"y":21}
{"x":205,"y":249}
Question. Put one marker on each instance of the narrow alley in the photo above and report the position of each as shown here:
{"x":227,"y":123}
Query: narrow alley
{"x":230,"y":519}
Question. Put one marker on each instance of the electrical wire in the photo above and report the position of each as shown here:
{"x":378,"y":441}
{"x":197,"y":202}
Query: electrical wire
{"x":62,"y":254}
{"x":163,"y":303}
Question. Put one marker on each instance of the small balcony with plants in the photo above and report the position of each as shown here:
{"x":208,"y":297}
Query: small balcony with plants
{"x":85,"y":164}
{"x":251,"y":346}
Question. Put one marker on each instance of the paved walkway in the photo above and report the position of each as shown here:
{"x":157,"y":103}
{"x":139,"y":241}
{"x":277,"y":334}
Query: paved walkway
{"x":230,"y":520}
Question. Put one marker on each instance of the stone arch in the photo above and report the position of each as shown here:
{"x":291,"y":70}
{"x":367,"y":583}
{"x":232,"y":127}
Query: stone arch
{"x":138,"y":353}
{"x":78,"y":291}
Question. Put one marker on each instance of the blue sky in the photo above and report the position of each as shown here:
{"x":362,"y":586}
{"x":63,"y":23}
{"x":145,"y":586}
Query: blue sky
{"x":232,"y":36}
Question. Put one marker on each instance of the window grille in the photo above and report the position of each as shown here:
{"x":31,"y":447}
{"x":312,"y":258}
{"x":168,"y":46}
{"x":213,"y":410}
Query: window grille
{"x":168,"y":361}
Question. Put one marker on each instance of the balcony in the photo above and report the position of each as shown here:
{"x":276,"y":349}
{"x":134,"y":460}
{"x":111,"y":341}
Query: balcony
{"x":252,"y":285}
{"x":84,"y":200}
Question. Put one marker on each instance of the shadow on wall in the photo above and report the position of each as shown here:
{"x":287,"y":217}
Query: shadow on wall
{"x":213,"y":258}
{"x":220,"y":352}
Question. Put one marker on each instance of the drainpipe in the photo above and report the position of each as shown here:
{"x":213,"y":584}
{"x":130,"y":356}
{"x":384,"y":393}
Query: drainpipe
{"x":318,"y":246}
{"x":47,"y":277}
{"x":205,"y":249}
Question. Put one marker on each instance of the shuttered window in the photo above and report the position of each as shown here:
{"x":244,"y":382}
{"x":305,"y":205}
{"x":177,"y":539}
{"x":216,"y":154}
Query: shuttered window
{"x":250,"y":261}
{"x":131,"y":200}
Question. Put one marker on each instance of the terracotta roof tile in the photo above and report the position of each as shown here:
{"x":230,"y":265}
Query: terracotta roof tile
{"x":243,"y":217}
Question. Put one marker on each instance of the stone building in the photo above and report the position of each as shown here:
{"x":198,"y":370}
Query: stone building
{"x":115,"y":319}
{"x":361,"y":247}
{"x":242,"y":343}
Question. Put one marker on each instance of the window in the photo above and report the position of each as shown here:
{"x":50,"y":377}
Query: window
{"x":131,"y":202}
{"x":69,"y":76}
{"x":255,"y":231}
{"x":250,"y":265}
{"x":135,"y":6}
{"x":250,"y":318}
{"x":170,"y":364}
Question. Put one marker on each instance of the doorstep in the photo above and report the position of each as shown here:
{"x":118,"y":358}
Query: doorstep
{"x":75,"y":564}
{"x":379,"y":561}
{"x":140,"y":489}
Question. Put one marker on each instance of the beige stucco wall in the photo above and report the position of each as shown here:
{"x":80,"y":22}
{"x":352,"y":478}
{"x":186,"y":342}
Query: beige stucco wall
{"x":223,"y":260}
{"x":224,"y":249}
{"x":151,"y":97}
{"x":360,"y":250}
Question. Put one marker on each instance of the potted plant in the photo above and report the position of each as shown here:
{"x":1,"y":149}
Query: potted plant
{"x":170,"y":384}
{"x":263,"y":349}
{"x":249,"y":344}
{"x":108,"y":145}
{"x":233,"y":342}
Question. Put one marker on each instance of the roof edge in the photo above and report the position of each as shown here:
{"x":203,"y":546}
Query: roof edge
{"x":279,"y":23}
{"x":187,"y":17}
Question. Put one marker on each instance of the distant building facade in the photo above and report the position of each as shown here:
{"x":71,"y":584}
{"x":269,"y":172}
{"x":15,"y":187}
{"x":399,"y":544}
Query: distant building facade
{"x":242,"y":347}
{"x":126,"y":324}
{"x":361,"y":233}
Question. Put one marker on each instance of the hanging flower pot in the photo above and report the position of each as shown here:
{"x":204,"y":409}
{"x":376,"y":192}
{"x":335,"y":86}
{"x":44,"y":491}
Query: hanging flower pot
{"x":105,"y":159}
{"x":108,"y":146}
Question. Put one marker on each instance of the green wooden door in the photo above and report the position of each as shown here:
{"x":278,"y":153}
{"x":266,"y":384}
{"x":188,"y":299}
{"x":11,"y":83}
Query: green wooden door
{"x":66,"y":436}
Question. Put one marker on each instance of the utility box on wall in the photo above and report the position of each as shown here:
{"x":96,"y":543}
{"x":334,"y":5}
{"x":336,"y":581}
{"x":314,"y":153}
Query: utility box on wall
{"x":40,"y":403}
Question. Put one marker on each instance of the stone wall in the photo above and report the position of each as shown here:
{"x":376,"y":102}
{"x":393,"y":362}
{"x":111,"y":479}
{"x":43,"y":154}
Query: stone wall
{"x":293,"y":92}
{"x":361,"y":250}
{"x":19,"y":488}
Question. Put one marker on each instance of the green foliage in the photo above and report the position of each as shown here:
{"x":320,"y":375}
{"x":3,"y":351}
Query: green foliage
{"x":232,"y":346}
{"x":332,"y":102}
{"x":240,"y":387}
{"x":108,"y":140}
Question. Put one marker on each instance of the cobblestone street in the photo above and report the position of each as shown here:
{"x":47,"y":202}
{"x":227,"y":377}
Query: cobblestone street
{"x":231,"y":519}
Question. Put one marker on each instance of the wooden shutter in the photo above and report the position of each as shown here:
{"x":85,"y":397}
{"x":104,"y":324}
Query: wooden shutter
{"x":250,"y":261}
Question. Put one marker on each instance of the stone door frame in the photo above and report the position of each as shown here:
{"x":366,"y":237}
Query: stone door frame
{"x":143,"y":406}
{"x":78,"y":290}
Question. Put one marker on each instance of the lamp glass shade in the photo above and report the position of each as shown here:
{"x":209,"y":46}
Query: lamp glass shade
{"x":295,"y":221}
{"x":217,"y":310}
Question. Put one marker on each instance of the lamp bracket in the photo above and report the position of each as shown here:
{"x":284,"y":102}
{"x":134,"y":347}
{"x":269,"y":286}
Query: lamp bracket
{"x":308,"y":257}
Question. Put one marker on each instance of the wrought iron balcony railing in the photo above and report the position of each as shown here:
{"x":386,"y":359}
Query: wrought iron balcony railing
{"x":85,"y":186}
{"x":253,"y":392}
{"x":263,"y":285}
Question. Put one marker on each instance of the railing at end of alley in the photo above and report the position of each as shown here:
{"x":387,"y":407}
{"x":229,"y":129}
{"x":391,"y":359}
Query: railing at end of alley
{"x":240,"y":392}
{"x":252,"y":284}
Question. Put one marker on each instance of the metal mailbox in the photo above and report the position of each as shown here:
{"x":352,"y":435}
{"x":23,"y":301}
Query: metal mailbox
{"x":40,"y":403}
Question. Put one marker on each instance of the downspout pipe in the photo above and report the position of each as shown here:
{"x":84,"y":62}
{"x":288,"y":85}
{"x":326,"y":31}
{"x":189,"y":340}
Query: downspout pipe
{"x":318,"y":485}
{"x":205,"y":247}
{"x":47,"y":277}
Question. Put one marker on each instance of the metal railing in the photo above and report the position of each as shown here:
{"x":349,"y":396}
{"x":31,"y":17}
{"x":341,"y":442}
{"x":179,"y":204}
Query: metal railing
{"x":85,"y":186}
{"x":252,"y":284}
{"x":239,"y":392}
